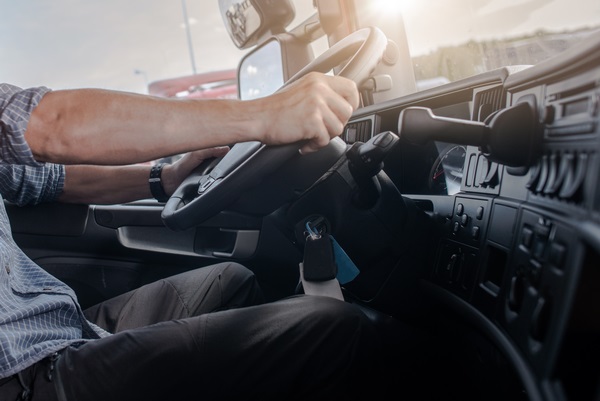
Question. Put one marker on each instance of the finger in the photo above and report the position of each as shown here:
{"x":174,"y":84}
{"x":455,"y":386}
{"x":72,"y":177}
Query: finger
{"x":341,"y":112}
{"x":211,"y":152}
{"x":319,"y":133}
{"x":333,"y":125}
{"x":193,"y":159}
{"x":328,"y":122}
{"x":217,"y":151}
{"x":346,"y":88}
{"x":309,"y":147}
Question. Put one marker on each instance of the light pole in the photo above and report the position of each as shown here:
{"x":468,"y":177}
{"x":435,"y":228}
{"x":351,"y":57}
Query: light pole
{"x":186,"y":24}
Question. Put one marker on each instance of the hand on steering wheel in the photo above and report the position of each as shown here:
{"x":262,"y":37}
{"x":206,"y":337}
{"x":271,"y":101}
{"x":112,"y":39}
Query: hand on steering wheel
{"x":204,"y":194}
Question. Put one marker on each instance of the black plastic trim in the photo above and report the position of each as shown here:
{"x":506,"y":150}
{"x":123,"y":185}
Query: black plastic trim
{"x":490,"y":331}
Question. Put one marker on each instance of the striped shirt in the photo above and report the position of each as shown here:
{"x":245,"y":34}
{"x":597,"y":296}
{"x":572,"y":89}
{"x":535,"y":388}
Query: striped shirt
{"x":39,"y":314}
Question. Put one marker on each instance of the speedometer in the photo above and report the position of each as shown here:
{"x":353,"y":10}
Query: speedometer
{"x":446,"y":173}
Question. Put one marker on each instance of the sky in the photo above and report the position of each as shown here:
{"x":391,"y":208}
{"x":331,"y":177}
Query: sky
{"x":126,"y":44}
{"x":114,"y":44}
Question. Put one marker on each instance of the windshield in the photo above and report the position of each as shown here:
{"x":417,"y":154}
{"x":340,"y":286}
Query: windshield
{"x":451,"y":40}
{"x":128,"y":45}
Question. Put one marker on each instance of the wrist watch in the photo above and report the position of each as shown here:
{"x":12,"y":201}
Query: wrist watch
{"x":156,"y":187}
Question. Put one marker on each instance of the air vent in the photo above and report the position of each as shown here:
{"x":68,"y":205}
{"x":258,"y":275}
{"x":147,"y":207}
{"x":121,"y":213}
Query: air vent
{"x":359,"y":131}
{"x":487,"y":102}
{"x":560,"y":175}
{"x":480,"y":174}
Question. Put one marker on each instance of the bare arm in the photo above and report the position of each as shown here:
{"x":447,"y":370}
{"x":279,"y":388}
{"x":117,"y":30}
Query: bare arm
{"x":111,"y":128}
{"x":121,"y":184}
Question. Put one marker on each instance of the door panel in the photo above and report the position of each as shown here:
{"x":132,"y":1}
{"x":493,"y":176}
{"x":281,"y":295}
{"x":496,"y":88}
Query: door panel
{"x":102,"y":251}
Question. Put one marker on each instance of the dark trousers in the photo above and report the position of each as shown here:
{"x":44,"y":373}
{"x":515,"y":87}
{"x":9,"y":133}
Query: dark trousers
{"x":205,"y":335}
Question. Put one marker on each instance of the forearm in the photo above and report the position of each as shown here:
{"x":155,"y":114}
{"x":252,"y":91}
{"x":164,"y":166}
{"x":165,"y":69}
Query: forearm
{"x":105,"y":184}
{"x":108,"y":128}
{"x":120,"y":184}
{"x":113,"y":128}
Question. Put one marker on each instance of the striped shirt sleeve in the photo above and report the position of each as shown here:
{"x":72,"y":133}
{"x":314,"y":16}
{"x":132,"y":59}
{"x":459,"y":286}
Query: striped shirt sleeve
{"x":16,"y":106}
{"x":23,"y":180}
{"x":29,"y":185}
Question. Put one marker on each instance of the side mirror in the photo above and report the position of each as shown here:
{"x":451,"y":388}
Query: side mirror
{"x":261,"y":72}
{"x":265,"y":69}
{"x":247,"y":21}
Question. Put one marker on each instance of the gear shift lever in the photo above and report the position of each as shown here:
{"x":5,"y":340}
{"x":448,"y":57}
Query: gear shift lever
{"x":365,"y":161}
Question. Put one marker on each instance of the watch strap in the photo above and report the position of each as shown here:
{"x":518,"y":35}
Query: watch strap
{"x":156,"y":187}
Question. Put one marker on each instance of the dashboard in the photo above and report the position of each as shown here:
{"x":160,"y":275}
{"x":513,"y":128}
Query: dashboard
{"x":518,"y":247}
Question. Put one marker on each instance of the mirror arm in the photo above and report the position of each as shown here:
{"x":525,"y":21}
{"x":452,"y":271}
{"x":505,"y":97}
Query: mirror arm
{"x":309,"y":30}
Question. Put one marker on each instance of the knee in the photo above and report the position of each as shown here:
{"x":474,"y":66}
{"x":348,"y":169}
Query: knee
{"x":228,"y":272}
{"x":235,"y":275}
{"x":234,"y":270}
{"x":238,"y":285}
{"x":219,"y":276}
{"x":331,"y":311}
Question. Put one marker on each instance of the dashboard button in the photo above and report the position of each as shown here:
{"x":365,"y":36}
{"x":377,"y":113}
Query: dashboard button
{"x":527,"y":237}
{"x":479,"y":213}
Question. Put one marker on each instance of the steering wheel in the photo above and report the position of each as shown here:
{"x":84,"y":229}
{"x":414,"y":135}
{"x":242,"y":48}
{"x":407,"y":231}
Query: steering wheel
{"x":210,"y":189}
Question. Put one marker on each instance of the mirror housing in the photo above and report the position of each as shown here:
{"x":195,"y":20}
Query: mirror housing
{"x":247,"y":21}
{"x":331,"y":15}
{"x":265,"y":69}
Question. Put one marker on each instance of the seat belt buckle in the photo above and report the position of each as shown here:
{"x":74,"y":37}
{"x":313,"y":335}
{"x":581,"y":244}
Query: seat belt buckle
{"x":319,"y":258}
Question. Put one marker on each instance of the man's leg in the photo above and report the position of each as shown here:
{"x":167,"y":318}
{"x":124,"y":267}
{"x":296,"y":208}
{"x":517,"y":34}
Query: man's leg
{"x":305,"y":347}
{"x":31,"y":384}
{"x":208,"y":289}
